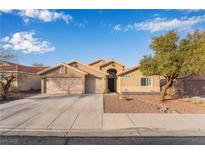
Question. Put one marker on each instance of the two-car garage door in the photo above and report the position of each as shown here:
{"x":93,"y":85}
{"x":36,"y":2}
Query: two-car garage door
{"x":64,"y":85}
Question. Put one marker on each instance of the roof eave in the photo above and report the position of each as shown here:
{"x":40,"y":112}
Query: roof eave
{"x":51,"y":68}
{"x":128,"y":70}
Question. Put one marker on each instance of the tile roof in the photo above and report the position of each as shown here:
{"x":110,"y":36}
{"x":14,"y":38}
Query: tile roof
{"x":18,"y":67}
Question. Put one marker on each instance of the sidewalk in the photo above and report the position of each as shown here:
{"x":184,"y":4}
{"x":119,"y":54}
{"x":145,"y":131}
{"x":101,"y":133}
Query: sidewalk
{"x":108,"y":124}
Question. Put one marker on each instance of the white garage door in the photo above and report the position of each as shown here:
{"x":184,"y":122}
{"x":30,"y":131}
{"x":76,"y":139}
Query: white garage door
{"x":65,"y":85}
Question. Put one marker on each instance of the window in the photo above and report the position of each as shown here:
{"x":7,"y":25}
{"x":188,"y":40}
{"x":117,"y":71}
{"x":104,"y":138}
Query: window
{"x":145,"y":81}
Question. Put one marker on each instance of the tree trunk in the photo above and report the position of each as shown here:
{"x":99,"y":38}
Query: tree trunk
{"x":164,"y":89}
{"x":6,"y":86}
{"x":4,"y":96}
{"x":4,"y":92}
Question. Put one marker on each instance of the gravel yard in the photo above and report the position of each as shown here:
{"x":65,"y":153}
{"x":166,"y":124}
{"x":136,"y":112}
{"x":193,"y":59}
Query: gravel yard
{"x":150,"y":104}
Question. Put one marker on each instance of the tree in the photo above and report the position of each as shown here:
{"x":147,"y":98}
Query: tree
{"x":37,"y":64}
{"x":174,"y":57}
{"x":7,"y":56}
{"x":6,"y":78}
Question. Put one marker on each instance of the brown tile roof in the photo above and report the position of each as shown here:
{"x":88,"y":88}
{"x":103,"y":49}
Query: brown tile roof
{"x":39,"y":68}
{"x":22,"y":68}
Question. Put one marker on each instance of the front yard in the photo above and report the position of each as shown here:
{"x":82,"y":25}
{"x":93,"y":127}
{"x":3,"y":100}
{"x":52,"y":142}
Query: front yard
{"x":150,"y":104}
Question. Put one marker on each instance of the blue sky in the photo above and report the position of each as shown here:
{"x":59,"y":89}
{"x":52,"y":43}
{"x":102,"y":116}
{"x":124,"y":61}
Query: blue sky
{"x":54,"y":36}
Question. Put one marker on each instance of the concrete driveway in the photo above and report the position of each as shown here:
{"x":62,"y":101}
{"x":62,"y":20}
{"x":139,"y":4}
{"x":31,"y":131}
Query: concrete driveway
{"x":82,"y":115}
{"x":53,"y":112}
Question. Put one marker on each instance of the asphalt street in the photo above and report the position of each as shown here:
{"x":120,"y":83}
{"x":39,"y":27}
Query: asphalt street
{"x":165,"y":140}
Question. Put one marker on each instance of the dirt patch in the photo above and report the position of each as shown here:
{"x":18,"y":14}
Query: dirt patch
{"x":149,"y":104}
{"x":19,"y":95}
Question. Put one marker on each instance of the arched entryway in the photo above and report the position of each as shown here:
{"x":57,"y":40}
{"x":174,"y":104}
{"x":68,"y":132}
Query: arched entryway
{"x":111,"y":80}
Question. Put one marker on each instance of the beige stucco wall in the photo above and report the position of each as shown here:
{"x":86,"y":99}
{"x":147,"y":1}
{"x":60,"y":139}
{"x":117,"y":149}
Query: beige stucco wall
{"x":94,"y":85}
{"x":130,"y":82}
{"x":43,"y":85}
{"x":119,"y":68}
{"x":27,"y":82}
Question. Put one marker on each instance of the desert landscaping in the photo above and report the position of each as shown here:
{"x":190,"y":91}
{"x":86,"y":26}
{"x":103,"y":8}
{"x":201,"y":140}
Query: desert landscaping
{"x":114,"y":103}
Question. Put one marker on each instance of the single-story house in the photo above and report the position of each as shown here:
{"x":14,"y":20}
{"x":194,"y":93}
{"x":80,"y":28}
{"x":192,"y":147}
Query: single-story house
{"x":26,"y":77}
{"x":97,"y":77}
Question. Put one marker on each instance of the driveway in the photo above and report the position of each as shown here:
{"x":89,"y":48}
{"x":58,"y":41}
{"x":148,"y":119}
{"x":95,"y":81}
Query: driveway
{"x":82,"y":115}
{"x":54,"y":112}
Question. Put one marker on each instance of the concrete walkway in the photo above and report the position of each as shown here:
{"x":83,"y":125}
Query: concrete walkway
{"x":62,"y":115}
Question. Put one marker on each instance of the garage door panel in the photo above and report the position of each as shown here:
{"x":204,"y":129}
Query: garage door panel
{"x":65,"y":85}
{"x":94,"y":85}
{"x":194,"y":87}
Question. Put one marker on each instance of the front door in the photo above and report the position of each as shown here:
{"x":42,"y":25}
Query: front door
{"x":111,"y":84}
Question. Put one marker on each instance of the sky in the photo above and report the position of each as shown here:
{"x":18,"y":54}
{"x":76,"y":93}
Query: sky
{"x":54,"y":36}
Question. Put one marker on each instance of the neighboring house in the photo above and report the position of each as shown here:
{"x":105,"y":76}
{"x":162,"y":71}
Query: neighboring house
{"x":190,"y":85}
{"x":26,"y":76}
{"x":97,"y":77}
{"x":193,"y":84}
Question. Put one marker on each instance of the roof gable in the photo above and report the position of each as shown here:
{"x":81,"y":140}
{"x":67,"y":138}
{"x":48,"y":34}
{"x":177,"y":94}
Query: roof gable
{"x":112,"y":61}
{"x":59,"y":65}
{"x":97,"y":61}
{"x":127,"y":71}
{"x":89,"y":69}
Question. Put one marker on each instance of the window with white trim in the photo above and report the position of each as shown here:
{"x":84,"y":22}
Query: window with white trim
{"x":145,"y":81}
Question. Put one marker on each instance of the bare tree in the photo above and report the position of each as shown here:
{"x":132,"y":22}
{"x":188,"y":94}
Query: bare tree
{"x":38,"y":64}
{"x":6,"y":78}
{"x":7,"y":56}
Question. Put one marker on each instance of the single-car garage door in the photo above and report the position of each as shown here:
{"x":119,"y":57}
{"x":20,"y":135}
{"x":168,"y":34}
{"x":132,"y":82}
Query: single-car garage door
{"x":194,"y":87}
{"x":94,"y":85}
{"x":65,"y":85}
